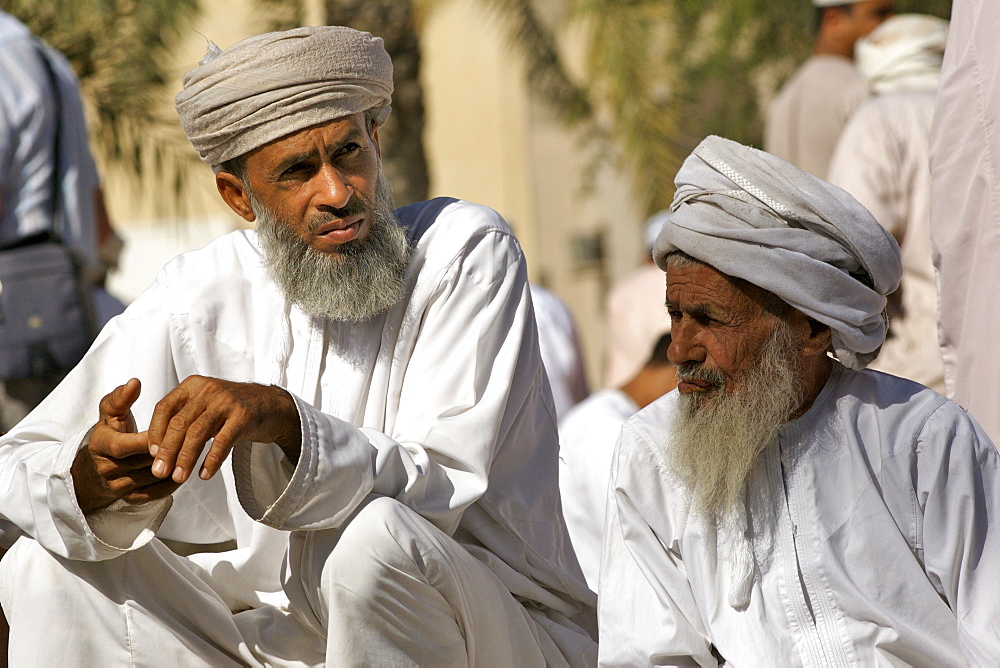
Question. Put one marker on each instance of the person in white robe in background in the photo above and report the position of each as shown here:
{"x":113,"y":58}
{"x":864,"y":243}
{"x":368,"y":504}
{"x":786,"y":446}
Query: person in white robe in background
{"x":965,"y":209}
{"x":804,"y":121}
{"x":384,"y":451}
{"x":786,"y":507}
{"x":882,"y":159}
{"x":587,"y":437}
{"x":559,"y":345}
{"x":635,"y":314}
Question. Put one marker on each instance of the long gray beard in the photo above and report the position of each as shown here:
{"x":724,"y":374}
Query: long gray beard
{"x":715,"y":444}
{"x":363,"y":281}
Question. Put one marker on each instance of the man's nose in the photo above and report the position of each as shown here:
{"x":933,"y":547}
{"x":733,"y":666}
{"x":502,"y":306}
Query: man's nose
{"x":333,"y":190}
{"x":684,"y":343}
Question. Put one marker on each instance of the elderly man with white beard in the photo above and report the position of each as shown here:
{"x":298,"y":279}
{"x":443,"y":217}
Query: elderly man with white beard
{"x":356,"y":399}
{"x":786,"y":506}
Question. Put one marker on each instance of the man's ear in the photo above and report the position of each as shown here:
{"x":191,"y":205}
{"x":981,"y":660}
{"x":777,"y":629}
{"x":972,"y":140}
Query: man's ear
{"x":818,"y":338}
{"x":234,"y":193}
{"x":374,"y":134}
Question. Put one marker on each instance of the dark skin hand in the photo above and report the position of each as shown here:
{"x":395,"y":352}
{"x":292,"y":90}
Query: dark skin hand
{"x":120,"y":463}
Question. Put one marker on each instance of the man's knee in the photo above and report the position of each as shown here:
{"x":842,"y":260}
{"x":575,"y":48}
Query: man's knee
{"x":382,"y":535}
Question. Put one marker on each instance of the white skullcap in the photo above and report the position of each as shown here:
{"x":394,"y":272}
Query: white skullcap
{"x":271,"y":85}
{"x":903,"y":53}
{"x":754,"y":216}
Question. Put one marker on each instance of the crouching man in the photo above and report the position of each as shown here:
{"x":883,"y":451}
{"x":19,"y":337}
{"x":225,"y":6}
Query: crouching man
{"x":354,"y":397}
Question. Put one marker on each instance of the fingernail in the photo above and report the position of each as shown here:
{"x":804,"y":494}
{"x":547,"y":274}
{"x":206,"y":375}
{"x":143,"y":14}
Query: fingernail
{"x":160,"y":468}
{"x":204,"y":474}
{"x":153,"y":449}
{"x":178,"y":474}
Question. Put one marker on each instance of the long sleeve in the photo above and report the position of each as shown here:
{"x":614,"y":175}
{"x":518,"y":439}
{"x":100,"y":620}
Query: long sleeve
{"x":35,"y":458}
{"x":647,"y":613}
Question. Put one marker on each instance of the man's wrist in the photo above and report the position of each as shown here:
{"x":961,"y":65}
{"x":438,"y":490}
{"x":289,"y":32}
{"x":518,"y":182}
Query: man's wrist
{"x":91,"y":492}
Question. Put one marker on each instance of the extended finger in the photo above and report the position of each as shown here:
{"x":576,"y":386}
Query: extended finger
{"x":232,"y":431}
{"x":163,"y":414}
{"x":114,"y":407}
{"x":206,"y":427}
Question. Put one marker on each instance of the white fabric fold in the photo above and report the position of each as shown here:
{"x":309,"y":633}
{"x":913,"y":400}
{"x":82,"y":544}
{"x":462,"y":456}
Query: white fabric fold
{"x":904,"y":53}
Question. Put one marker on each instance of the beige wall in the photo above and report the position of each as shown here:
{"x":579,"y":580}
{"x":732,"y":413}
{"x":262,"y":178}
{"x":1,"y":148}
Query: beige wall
{"x":487,"y":141}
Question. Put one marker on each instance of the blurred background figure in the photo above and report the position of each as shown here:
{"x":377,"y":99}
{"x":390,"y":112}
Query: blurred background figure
{"x":635,"y":312}
{"x":883,"y":160}
{"x":805,"y":119}
{"x":559,"y":345}
{"x":965,"y":210}
{"x":47,"y":174}
{"x":587,"y":437}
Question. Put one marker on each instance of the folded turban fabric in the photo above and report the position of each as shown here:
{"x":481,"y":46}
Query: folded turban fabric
{"x":271,"y":85}
{"x":754,"y":216}
{"x":903,"y":53}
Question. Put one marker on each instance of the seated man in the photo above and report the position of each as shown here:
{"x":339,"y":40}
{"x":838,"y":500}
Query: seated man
{"x":785,"y":507}
{"x":358,"y":402}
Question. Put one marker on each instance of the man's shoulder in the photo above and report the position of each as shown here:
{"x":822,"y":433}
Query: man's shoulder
{"x":448,"y":217}
{"x":221,"y":270}
{"x":912,"y":413}
{"x":447,"y":233}
{"x":234,"y":248}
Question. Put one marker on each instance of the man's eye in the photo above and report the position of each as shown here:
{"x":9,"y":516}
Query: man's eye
{"x":349,"y":149}
{"x":294,"y":169}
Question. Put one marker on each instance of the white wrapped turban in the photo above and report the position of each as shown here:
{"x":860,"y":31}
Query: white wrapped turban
{"x":270,"y":85}
{"x":754,"y":216}
{"x":903,"y":53}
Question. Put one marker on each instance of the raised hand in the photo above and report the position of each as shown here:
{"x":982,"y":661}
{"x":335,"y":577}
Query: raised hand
{"x":116,"y":463}
{"x":200,"y":409}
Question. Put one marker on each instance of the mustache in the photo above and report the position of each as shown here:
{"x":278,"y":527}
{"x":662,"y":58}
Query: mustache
{"x":357,"y":205}
{"x":695,"y":371}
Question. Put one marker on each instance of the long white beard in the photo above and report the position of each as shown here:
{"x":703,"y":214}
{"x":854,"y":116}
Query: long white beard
{"x":364,"y":280}
{"x":717,"y":441}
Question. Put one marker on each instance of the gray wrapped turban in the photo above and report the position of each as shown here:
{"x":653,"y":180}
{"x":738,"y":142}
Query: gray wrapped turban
{"x":754,"y":216}
{"x":271,"y":85}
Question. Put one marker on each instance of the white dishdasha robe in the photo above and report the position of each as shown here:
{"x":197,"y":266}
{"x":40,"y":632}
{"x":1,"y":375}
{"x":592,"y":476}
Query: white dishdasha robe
{"x":874,"y":530}
{"x":439,"y":404}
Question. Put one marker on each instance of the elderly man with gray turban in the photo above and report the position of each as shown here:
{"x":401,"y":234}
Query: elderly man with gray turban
{"x":352,"y":397}
{"x":786,"y":506}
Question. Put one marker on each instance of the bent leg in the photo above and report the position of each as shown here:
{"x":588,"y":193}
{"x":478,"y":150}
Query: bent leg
{"x":392,"y":589}
{"x":146,"y":608}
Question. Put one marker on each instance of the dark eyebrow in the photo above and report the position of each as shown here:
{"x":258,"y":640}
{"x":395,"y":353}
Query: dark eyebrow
{"x":293,"y":160}
{"x":353,"y":136}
